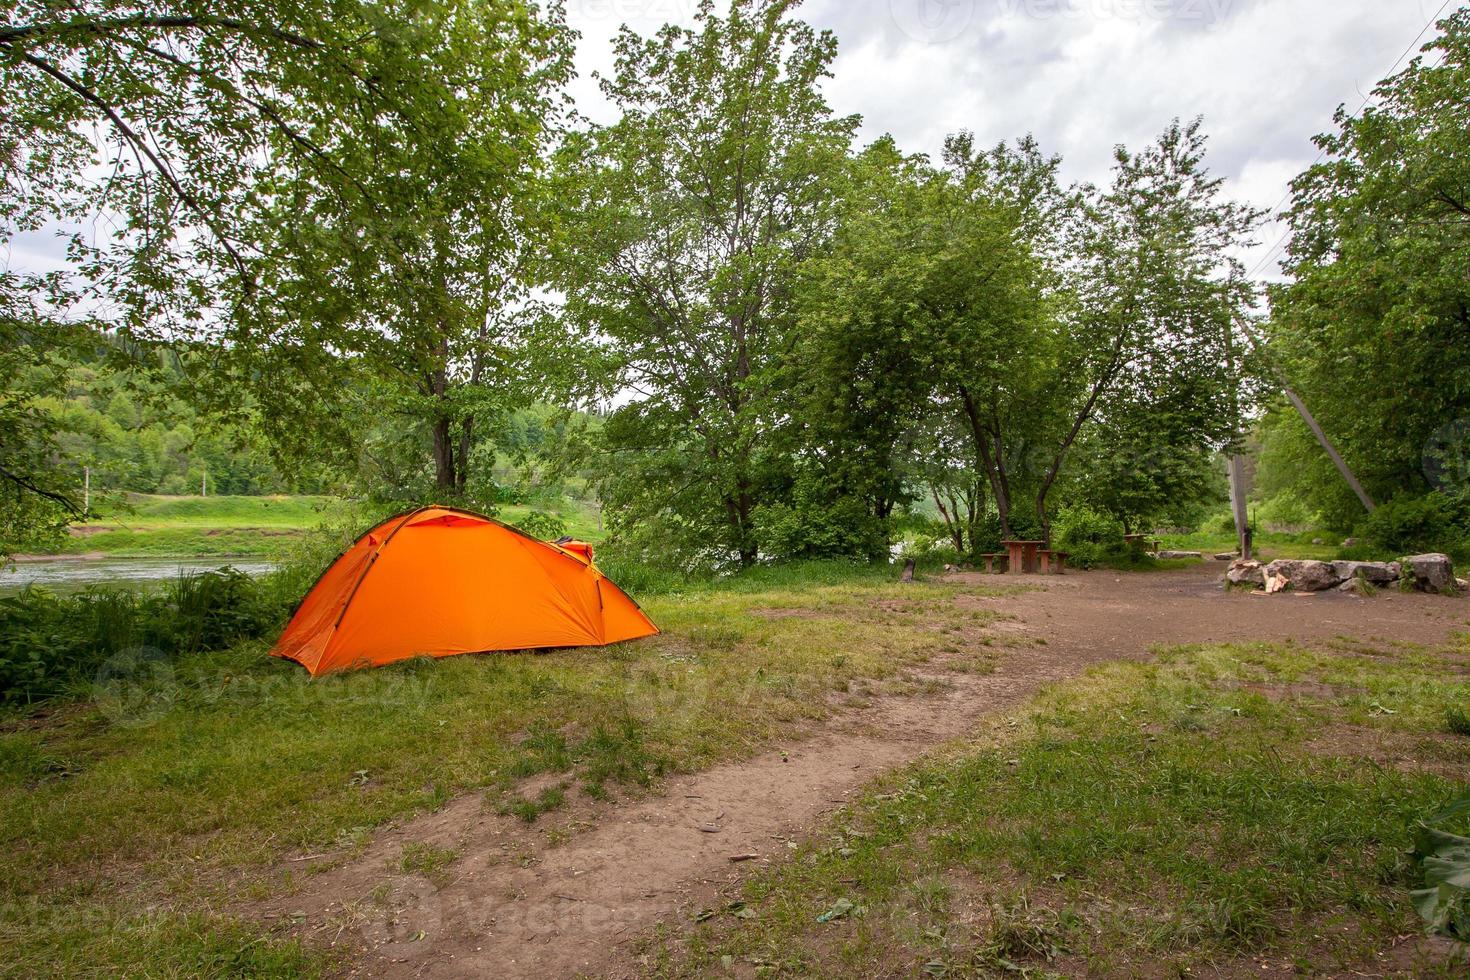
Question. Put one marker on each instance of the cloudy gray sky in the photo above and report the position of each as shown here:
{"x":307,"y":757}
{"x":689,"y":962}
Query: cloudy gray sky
{"x":1084,"y":75}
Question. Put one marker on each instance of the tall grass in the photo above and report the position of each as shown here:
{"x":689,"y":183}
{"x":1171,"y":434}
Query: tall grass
{"x":53,"y":645}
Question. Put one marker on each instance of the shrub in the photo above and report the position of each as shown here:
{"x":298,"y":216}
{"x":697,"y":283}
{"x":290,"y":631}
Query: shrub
{"x":1434,"y":522}
{"x":1081,"y":525}
{"x":51,"y":644}
{"x":540,"y":524}
{"x":815,"y":527}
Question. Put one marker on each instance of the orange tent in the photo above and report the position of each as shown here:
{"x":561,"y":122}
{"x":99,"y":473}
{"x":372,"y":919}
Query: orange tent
{"x":440,"y":581}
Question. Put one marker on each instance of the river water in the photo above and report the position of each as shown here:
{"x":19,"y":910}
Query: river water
{"x":74,"y":574}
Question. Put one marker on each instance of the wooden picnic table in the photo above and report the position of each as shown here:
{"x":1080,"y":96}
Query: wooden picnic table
{"x":1022,"y":555}
{"x":1142,"y":542}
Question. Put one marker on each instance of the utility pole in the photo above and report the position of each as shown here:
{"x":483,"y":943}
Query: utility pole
{"x":204,"y":483}
{"x":1237,"y":461}
{"x":1301,"y":407}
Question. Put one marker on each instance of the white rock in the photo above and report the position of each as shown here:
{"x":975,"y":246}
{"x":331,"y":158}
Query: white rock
{"x":1179,"y":554}
{"x":1376,"y":572}
{"x":1245,"y":571}
{"x":1305,"y":575}
{"x":1430,"y":573}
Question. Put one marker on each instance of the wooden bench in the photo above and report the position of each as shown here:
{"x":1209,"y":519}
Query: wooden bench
{"x":1142,"y":543}
{"x":990,"y":560}
{"x":1053,"y":562}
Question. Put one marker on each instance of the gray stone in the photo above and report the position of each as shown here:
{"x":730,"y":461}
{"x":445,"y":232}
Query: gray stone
{"x":1430,"y":573}
{"x":1179,"y":554}
{"x":1349,"y":542}
{"x":1462,"y":585}
{"x":1305,"y":575}
{"x":1226,"y":556}
{"x":1354,"y":586}
{"x":1246,"y":571}
{"x":1375,"y":572}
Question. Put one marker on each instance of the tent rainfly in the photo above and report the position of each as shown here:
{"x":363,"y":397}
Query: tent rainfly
{"x":439,"y":581}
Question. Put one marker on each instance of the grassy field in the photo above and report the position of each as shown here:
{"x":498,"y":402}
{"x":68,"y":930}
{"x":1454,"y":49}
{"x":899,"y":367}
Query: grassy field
{"x":1246,"y":808}
{"x":179,"y":788}
{"x":1273,"y":544}
{"x":149,"y":526}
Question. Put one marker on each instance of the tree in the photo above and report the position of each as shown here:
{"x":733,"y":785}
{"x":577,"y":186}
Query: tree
{"x":688,"y":219}
{"x":993,"y":305}
{"x":859,"y":378}
{"x":1374,"y":329}
{"x":1154,"y":295}
{"x":216,"y":129}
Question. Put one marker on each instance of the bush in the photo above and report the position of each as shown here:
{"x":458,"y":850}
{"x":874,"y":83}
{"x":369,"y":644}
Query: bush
{"x":51,"y":644}
{"x":812,"y":526}
{"x":1434,"y":522}
{"x":539,"y":524}
{"x":1082,"y":525}
{"x":641,"y":578}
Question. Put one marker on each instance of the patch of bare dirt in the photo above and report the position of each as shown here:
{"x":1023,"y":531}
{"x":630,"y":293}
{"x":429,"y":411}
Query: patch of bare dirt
{"x":1445,"y":755}
{"x":569,"y":897}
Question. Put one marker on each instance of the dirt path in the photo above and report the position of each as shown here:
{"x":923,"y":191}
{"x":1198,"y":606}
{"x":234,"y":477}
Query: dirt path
{"x":512,"y":906}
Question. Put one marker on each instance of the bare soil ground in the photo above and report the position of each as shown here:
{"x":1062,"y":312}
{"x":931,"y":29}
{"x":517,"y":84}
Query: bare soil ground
{"x":569,"y":894}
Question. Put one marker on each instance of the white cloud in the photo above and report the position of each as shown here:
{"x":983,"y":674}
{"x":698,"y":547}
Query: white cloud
{"x":1084,"y":75}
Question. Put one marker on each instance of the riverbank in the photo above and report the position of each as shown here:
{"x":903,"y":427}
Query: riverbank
{"x":156,"y":526}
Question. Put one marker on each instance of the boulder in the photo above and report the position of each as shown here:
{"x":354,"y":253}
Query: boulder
{"x":1349,"y":542}
{"x":1462,"y":585}
{"x":1430,"y":573}
{"x":1245,"y":571}
{"x":1375,"y":572}
{"x":1304,"y":575}
{"x":1227,"y":556}
{"x":1354,"y":586}
{"x":1179,"y":554}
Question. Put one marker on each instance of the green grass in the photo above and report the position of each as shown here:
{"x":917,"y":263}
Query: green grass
{"x":183,"y":791}
{"x":580,"y":517}
{"x":152,"y":511}
{"x":149,"y":526}
{"x":146,"y":526}
{"x":1271,"y":544}
{"x":1223,"y":807}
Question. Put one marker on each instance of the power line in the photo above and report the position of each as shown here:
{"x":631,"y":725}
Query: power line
{"x":1271,"y":254}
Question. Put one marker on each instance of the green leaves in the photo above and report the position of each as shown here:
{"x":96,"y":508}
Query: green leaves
{"x":1372,"y":330}
{"x":686,"y":222}
{"x":1444,"y":858}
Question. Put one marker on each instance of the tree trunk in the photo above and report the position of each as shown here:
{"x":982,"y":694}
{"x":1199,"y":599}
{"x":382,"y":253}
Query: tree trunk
{"x":462,"y":463}
{"x":444,"y":468}
{"x":987,"y":456}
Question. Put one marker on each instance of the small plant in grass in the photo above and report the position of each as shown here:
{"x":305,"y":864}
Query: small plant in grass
{"x":1457,"y":720}
{"x":1444,"y":857}
{"x":550,"y":798}
{"x":427,"y":860}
